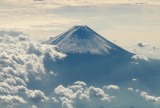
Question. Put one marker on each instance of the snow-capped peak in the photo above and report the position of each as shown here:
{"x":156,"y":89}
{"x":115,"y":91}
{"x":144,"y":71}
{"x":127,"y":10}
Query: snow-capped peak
{"x":82,"y":39}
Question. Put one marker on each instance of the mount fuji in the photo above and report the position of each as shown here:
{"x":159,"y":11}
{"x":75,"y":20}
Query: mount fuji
{"x":83,"y":40}
{"x":97,"y":61}
{"x":90,"y":57}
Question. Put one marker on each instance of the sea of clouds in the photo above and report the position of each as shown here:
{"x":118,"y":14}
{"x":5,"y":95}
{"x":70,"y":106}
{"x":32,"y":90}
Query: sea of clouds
{"x":21,"y":63}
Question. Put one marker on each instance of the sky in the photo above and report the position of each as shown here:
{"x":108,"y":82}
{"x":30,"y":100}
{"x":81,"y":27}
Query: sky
{"x":124,"y":22}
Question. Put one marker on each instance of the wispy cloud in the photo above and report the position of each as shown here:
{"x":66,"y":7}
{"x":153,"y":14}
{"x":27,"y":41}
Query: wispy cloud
{"x":84,"y":2}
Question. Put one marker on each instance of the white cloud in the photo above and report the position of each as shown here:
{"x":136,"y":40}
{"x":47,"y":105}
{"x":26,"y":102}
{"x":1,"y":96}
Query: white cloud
{"x":85,"y":2}
{"x":146,"y":96}
{"x":10,"y":81}
{"x":146,"y":49}
{"x":150,"y":98}
{"x":79,"y":92}
{"x":66,"y":103}
{"x":21,"y":62}
{"x":114,"y":87}
{"x":12,"y":100}
{"x":80,"y":83}
{"x":22,"y":57}
{"x":33,"y":106}
{"x":130,"y":89}
{"x":134,"y":79}
{"x":71,"y":96}
{"x":140,"y":57}
{"x":37,"y":96}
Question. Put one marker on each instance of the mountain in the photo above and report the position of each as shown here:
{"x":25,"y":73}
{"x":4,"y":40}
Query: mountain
{"x":90,"y":57}
{"x":97,"y":61}
{"x":82,"y":40}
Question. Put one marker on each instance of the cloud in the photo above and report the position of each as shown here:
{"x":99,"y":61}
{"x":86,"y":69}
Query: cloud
{"x":80,"y":83}
{"x":140,"y":57}
{"x":134,"y":79}
{"x":150,"y":98}
{"x":37,"y":96}
{"x":77,"y":96}
{"x":72,"y":95}
{"x":19,"y":54}
{"x":12,"y":100}
{"x":146,"y":96}
{"x":21,"y":65}
{"x":66,"y":103}
{"x":114,"y":87}
{"x":33,"y":106}
{"x":146,"y":49}
{"x":21,"y":62}
{"x":130,"y":89}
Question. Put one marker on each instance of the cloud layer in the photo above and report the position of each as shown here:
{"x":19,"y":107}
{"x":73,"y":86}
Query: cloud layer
{"x":78,"y":94}
{"x":86,"y":2}
{"x":21,"y":65}
{"x":21,"y":62}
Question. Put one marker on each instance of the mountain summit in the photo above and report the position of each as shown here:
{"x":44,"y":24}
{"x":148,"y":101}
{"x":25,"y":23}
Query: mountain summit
{"x":82,"y":40}
{"x":90,"y":57}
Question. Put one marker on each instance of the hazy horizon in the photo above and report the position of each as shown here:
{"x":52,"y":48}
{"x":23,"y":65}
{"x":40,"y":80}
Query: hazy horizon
{"x":123,"y":22}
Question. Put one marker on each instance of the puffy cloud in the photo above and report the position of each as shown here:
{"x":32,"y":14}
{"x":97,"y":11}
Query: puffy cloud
{"x":21,"y":62}
{"x":37,"y":96}
{"x":114,"y":87}
{"x":5,"y":88}
{"x":10,"y":81}
{"x":145,"y":95}
{"x":140,"y":57}
{"x":80,"y":83}
{"x":61,"y":90}
{"x":12,"y":100}
{"x":10,"y":89}
{"x":66,"y":103}
{"x":150,"y":98}
{"x":72,"y":95}
{"x":130,"y":89}
{"x":33,"y":106}
{"x":22,"y":57}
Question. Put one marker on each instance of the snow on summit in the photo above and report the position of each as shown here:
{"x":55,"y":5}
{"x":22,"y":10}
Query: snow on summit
{"x":82,"y":39}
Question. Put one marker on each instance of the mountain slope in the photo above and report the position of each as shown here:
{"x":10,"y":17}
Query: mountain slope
{"x":82,"y":39}
{"x":90,"y":57}
{"x":96,"y":61}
